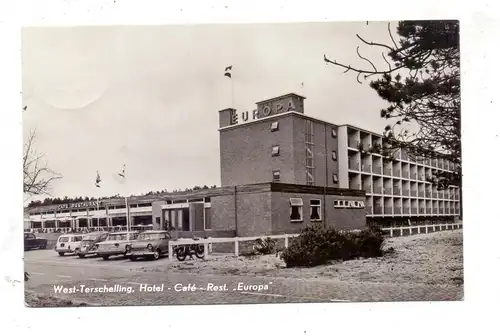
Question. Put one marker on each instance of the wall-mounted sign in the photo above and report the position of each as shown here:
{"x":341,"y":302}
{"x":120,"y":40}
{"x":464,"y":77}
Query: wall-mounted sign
{"x":267,"y":109}
{"x":349,"y":204}
{"x":79,"y":205}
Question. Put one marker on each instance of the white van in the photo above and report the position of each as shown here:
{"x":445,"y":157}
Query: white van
{"x":68,"y":243}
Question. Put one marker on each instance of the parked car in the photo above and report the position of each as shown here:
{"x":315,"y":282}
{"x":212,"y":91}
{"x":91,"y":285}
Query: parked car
{"x":88,"y":245}
{"x":149,"y":244}
{"x":31,"y":242}
{"x":115,"y":244}
{"x":68,"y":243}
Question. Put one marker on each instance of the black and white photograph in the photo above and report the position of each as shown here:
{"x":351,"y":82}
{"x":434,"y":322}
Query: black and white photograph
{"x":242,"y":163}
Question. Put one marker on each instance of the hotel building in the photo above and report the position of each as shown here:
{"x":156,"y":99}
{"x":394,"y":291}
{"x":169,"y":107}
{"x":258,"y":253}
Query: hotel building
{"x":281,"y":170}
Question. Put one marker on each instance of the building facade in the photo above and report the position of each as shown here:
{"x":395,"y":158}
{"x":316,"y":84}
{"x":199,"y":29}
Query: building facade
{"x":280,"y":171}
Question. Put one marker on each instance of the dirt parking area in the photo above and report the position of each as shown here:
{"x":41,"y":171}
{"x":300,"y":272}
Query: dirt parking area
{"x":434,"y":259}
{"x":40,"y":300}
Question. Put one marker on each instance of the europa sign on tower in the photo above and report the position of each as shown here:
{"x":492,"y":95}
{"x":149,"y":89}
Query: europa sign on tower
{"x":288,"y":103}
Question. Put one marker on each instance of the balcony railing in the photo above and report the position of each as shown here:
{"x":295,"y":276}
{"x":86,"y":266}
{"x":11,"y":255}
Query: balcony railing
{"x":366,"y":168}
{"x":367,"y":188}
{"x":436,"y":211}
{"x":421,"y":210}
{"x":406,"y":174}
{"x":414,"y":193}
{"x":377,"y":210}
{"x":387,"y":171}
{"x":397,"y":210}
{"x":434,"y":195}
{"x":404,"y":156}
{"x":388,"y":210}
{"x":406,"y":192}
{"x":446,"y":211}
{"x":387,"y":191}
{"x":421,"y":193}
{"x":441,"y":211}
{"x":353,"y":143}
{"x":369,"y":209}
{"x":353,"y":165}
{"x":429,"y":210}
{"x":414,"y":176}
{"x":354,"y":186}
{"x":377,"y":190}
{"x":406,"y":210}
{"x":396,"y":173}
{"x":413,"y":210}
{"x":397,"y":191}
{"x":377,"y":170}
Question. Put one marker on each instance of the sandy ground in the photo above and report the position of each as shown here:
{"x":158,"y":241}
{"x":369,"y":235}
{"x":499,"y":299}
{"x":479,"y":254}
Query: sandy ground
{"x":39,"y":300}
{"x":434,"y":258}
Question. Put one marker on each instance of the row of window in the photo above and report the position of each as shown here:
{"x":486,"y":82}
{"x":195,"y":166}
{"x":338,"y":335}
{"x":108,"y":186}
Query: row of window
{"x":277,"y":177}
{"x":309,"y":154}
{"x":297,"y":210}
{"x":275,"y":126}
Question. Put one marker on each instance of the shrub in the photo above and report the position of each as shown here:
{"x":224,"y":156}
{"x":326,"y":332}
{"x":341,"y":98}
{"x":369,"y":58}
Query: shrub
{"x":317,"y":245}
{"x":266,"y":246}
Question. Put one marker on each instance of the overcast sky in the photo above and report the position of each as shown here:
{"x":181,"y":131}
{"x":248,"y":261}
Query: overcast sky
{"x":148,"y":97}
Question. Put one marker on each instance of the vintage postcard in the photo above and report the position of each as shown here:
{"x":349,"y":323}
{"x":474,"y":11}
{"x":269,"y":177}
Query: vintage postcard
{"x":242,"y":163}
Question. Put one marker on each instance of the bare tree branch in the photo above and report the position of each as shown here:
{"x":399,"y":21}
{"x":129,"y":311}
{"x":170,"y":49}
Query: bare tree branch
{"x":37,"y":177}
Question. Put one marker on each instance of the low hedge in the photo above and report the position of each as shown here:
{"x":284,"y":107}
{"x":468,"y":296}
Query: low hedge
{"x":317,"y":245}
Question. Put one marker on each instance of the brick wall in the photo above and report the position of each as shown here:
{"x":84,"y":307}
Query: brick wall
{"x":344,"y":219}
{"x":324,"y":143}
{"x":338,"y":218}
{"x":245,"y":152}
{"x":254,"y":214}
{"x":157,"y":213}
{"x":222,"y":213}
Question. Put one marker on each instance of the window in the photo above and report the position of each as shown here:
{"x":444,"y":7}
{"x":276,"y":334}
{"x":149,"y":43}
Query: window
{"x":275,"y":126}
{"x":276,"y":175}
{"x":158,"y":220}
{"x":207,"y":219}
{"x":296,"y":205}
{"x":334,"y":133}
{"x":315,"y":210}
{"x":334,"y":155}
{"x":276,"y":151}
{"x":335,"y":178}
{"x":309,"y":132}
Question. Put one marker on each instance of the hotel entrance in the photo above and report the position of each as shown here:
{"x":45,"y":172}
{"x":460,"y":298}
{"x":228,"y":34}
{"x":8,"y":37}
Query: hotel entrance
{"x":184,"y":217}
{"x":178,"y":218}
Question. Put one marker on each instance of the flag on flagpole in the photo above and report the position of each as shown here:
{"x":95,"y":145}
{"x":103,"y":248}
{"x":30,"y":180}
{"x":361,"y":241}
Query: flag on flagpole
{"x":227,"y":71}
{"x":98,"y":180}
{"x":120,"y":176}
{"x":122,"y":172}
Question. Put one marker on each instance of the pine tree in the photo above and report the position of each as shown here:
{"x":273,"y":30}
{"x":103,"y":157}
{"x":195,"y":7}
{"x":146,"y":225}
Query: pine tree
{"x":422,"y":87}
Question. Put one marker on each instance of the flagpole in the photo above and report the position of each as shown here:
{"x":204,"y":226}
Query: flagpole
{"x":232,"y":94}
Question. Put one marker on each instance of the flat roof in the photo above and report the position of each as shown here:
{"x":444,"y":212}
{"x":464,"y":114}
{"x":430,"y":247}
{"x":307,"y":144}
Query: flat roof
{"x":275,"y":116}
{"x":279,"y":97}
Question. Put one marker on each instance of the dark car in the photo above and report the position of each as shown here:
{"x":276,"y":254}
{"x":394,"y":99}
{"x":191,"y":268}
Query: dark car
{"x":33,"y":242}
{"x":149,"y":244}
{"x":89,"y":243}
